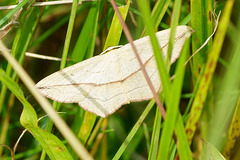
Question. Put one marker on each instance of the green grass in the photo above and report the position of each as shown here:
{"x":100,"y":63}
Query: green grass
{"x":202,"y":102}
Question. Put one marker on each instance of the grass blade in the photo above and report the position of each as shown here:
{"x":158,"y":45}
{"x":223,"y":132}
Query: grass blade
{"x":208,"y":72}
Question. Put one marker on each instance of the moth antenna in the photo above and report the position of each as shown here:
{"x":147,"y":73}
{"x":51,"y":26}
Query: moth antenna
{"x":111,"y":48}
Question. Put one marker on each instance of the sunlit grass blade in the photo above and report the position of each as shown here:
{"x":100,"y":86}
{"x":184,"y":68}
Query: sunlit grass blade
{"x":115,"y":30}
{"x":134,"y":130}
{"x":112,"y":40}
{"x":84,"y":48}
{"x":155,"y":135}
{"x":172,"y":113}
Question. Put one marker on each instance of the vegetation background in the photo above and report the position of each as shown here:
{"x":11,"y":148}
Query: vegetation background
{"x":206,"y":92}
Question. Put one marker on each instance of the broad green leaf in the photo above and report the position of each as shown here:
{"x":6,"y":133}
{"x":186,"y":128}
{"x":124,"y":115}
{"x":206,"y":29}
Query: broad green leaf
{"x":50,"y":143}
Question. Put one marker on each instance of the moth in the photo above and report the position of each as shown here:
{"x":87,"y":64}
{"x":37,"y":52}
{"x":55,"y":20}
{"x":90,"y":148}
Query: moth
{"x":102,"y":84}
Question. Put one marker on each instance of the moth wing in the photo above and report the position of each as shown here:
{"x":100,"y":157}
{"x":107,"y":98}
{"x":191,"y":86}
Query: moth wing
{"x":103,"y":83}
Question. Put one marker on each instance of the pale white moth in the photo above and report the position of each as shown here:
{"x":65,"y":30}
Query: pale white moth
{"x":102,"y":84}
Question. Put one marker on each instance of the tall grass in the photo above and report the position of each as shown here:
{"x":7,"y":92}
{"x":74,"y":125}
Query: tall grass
{"x":202,"y":102}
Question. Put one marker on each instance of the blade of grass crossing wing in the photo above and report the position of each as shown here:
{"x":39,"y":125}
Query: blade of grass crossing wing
{"x":112,"y":39}
{"x":135,"y":128}
{"x":144,"y":8}
{"x":173,"y":103}
{"x":50,"y":143}
{"x":172,"y":100}
{"x":84,"y":48}
{"x":157,"y":15}
{"x":56,"y":105}
{"x":183,"y":148}
{"x":164,"y":79}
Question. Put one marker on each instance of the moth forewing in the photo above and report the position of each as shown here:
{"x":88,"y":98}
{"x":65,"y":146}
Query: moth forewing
{"x":103,"y":83}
